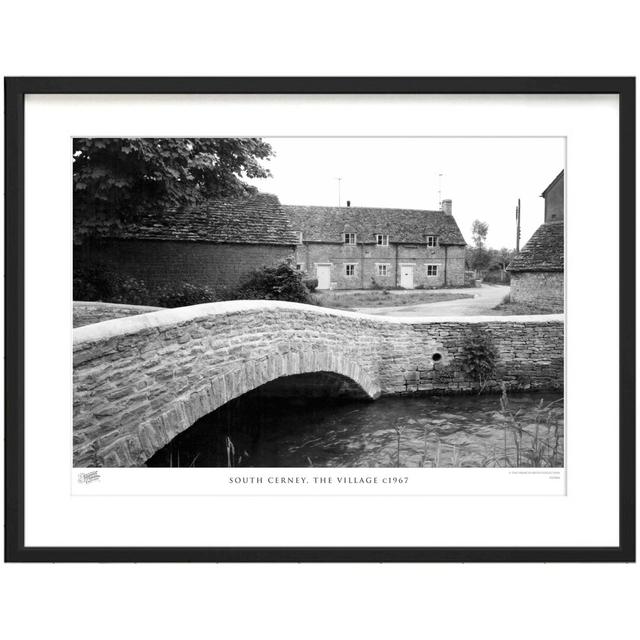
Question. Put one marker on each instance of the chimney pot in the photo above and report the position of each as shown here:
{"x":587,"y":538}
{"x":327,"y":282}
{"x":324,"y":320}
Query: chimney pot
{"x":446,"y":206}
{"x":348,"y":203}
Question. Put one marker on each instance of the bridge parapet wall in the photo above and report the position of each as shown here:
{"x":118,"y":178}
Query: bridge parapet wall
{"x":140,"y":381}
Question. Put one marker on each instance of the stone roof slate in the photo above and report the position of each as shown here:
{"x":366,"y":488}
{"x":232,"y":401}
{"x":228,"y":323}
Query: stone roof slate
{"x":257,"y":219}
{"x":543,"y":252}
{"x":328,"y":224}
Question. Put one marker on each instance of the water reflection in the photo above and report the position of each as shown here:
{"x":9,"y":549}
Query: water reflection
{"x":414,"y":431}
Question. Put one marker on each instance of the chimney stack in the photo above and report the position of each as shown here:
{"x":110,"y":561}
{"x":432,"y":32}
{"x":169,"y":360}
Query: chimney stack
{"x":446,"y":206}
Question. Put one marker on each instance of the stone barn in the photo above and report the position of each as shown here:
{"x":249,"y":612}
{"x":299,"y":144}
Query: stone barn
{"x":364,"y":247}
{"x":537,"y":272}
{"x":214,"y":244}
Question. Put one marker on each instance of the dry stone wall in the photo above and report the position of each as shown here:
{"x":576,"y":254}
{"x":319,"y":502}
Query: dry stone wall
{"x":140,"y":381}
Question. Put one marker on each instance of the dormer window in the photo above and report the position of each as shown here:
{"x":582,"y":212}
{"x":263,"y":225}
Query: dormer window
{"x":432,"y":241}
{"x":382,"y":240}
{"x":349,"y":238}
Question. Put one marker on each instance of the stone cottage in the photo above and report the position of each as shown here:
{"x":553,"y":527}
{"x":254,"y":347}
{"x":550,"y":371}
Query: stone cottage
{"x":363,"y":247}
{"x":537,"y":272}
{"x":214,"y":244}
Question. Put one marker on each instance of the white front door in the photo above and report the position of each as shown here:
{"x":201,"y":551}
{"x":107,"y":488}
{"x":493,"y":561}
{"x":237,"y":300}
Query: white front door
{"x":323,"y":273}
{"x":406,"y":276}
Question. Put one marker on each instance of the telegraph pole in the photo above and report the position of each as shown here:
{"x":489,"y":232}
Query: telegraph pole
{"x":518,"y":227}
{"x":339,"y":181}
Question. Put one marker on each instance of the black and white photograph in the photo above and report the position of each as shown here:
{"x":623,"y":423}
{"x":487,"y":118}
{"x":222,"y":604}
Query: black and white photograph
{"x":347,"y":302}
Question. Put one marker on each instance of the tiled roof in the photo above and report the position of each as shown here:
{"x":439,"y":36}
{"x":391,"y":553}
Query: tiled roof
{"x":257,"y":219}
{"x":327,"y":224}
{"x":543,"y":252}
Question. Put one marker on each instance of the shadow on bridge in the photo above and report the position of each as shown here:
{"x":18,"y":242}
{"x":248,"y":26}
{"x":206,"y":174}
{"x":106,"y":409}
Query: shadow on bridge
{"x":229,"y":435}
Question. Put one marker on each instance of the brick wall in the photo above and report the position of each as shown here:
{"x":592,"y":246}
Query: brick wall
{"x":206,"y":264}
{"x":365,"y":259}
{"x":544,"y":289}
{"x":140,"y":381}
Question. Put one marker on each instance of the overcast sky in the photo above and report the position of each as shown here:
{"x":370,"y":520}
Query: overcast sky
{"x":483,"y":176}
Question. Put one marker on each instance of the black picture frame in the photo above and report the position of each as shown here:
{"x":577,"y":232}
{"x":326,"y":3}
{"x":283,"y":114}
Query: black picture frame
{"x":15,"y":91}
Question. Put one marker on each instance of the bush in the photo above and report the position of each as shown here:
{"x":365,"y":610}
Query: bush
{"x":479,"y":355}
{"x":375,"y":284}
{"x":100,"y":284}
{"x":183,"y":295}
{"x":281,"y":282}
{"x":311,"y":284}
{"x":497,"y":277}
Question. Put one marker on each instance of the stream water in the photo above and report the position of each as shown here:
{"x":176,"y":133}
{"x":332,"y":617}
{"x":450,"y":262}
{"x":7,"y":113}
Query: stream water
{"x":413,"y":431}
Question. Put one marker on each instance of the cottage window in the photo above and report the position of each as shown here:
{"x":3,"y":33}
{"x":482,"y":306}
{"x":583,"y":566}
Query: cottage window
{"x":432,"y":270}
{"x":349,"y":269}
{"x":300,"y":266}
{"x":431,"y":241}
{"x":382,"y":240}
{"x":349,"y":238}
{"x":383,"y":269}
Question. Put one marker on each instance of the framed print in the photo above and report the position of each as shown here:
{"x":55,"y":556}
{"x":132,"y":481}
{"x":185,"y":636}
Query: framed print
{"x":320,"y":319}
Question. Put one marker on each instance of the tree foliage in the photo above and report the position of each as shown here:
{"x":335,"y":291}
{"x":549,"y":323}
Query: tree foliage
{"x":115,"y":179}
{"x":479,"y":231}
{"x":477,"y":256}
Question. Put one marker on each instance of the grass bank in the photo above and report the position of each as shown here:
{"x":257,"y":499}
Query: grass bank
{"x":376,"y":298}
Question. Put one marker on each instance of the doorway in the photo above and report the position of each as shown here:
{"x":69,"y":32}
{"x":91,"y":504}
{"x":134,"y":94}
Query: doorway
{"x":406,"y":276}
{"x":323,"y":273}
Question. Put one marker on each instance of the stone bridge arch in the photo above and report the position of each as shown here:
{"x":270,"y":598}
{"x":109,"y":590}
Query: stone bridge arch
{"x":217,"y":390}
{"x":140,"y":381}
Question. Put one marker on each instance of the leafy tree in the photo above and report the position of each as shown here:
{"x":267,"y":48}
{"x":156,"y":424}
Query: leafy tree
{"x":479,"y":232}
{"x":478,"y":257}
{"x":503,"y":256}
{"x":115,"y":179}
{"x":496,"y":269}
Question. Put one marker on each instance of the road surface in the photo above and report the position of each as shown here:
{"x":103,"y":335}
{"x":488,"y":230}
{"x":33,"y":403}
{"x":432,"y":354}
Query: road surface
{"x":484,"y":298}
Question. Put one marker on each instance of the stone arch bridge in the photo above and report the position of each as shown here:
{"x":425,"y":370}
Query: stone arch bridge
{"x":140,"y":381}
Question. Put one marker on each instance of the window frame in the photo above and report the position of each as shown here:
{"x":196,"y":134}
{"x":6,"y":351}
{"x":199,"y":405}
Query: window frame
{"x":347,"y":235}
{"x":386,"y":266}
{"x":385,"y":239}
{"x":436,"y":267}
{"x":432,"y":241}
{"x":346,"y":269}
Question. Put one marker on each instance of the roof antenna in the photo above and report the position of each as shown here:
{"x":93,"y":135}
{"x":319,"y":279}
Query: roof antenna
{"x":339,"y":181}
{"x":440,"y":190}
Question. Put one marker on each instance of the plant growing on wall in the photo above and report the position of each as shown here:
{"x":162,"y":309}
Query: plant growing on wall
{"x":479,"y":356}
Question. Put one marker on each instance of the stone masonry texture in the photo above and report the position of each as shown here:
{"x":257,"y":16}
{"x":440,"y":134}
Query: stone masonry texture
{"x":545,"y":289}
{"x":366,"y":257}
{"x":139,"y":381}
